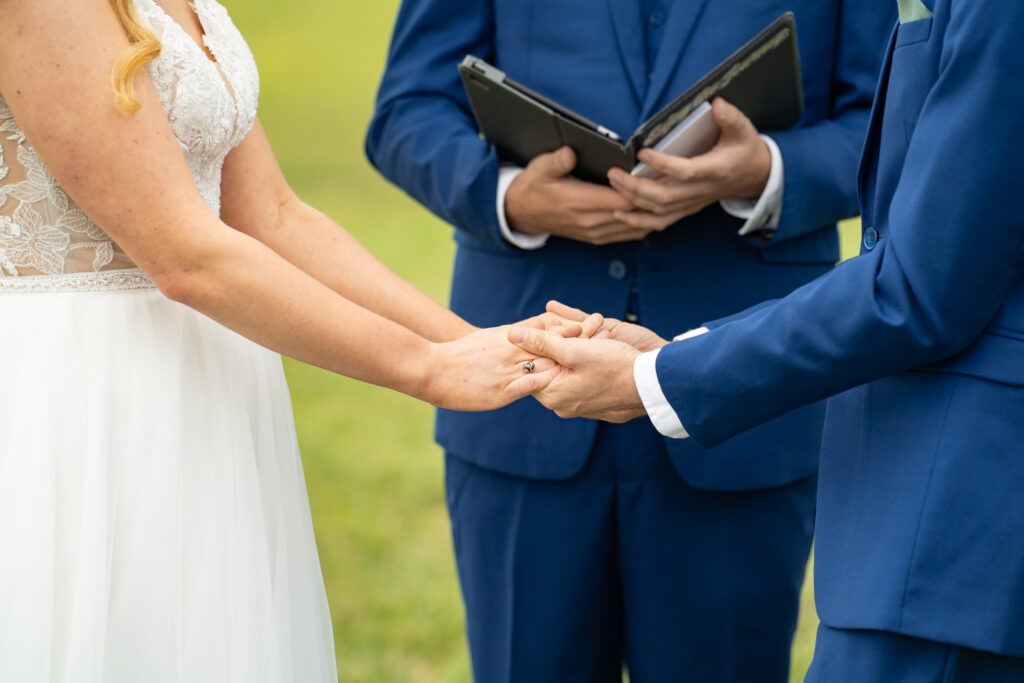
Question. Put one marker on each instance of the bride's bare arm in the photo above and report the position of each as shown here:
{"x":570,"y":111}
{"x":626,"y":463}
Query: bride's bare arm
{"x":258,"y":201}
{"x":129,"y":175}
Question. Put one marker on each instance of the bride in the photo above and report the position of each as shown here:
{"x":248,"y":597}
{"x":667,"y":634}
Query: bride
{"x":153,"y":516}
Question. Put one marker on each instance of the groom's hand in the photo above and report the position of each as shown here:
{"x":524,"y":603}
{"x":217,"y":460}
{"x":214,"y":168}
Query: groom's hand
{"x":583,"y":326}
{"x":640,"y":338}
{"x":596,"y":377}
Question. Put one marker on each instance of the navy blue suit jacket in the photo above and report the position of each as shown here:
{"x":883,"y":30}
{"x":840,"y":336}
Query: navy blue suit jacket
{"x":921,"y":494}
{"x":590,"y":56}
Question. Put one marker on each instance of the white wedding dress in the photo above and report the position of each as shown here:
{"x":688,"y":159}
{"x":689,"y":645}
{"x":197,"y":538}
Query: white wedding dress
{"x":154,"y":523}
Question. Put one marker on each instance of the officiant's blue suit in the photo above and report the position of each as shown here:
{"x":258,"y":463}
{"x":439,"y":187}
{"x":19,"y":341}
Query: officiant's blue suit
{"x":920,"y":531}
{"x":617,"y":62}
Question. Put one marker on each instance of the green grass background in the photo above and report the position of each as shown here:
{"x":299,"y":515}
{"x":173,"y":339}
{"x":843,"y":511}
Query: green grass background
{"x":373,"y":471}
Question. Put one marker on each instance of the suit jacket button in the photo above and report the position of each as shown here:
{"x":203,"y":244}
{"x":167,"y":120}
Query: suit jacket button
{"x":870,"y":238}
{"x":617,"y":269}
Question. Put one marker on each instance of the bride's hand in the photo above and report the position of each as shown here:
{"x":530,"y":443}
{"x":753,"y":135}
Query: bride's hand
{"x":476,"y":372}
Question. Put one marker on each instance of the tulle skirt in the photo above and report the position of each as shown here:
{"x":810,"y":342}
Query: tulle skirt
{"x":154,"y":523}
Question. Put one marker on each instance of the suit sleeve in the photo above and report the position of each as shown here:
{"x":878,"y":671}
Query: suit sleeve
{"x":821,"y":159}
{"x":929,"y":288}
{"x":423,"y":136}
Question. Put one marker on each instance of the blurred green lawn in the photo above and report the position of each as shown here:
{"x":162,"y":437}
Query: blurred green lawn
{"x":373,"y":471}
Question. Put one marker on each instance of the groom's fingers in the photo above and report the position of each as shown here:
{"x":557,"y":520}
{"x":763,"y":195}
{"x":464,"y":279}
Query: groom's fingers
{"x":543,"y":344}
{"x":567,"y":312}
{"x":567,"y":330}
{"x":592,"y":324}
{"x":563,"y":327}
{"x":542,"y":321}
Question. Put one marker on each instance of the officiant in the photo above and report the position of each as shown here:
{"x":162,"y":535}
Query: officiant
{"x":583,"y":546}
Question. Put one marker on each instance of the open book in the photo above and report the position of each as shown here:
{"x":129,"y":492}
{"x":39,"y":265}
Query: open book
{"x":762,"y":79}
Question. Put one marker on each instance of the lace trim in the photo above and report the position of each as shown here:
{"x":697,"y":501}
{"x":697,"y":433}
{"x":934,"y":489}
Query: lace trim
{"x":107,"y":281}
{"x":235,"y":62}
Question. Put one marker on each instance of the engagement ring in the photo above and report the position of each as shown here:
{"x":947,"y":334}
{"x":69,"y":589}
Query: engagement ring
{"x":528,"y":366}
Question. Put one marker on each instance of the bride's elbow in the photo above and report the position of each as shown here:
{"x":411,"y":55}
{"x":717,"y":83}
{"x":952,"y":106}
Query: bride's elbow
{"x":184,"y":286}
{"x":190,"y":271}
{"x":192,"y":278}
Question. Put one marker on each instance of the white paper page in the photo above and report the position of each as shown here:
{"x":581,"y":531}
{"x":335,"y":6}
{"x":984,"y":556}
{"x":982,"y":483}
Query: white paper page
{"x":695,"y":135}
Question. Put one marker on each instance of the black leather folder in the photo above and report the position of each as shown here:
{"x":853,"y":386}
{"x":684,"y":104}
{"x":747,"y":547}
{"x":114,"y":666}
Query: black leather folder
{"x":762,"y":78}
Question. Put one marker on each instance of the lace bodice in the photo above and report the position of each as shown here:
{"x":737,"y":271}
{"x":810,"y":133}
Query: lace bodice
{"x":211,"y":107}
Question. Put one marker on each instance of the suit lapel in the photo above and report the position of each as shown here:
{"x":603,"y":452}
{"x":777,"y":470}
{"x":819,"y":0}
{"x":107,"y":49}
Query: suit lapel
{"x":682,"y":19}
{"x":629,"y":34}
{"x":869,"y":158}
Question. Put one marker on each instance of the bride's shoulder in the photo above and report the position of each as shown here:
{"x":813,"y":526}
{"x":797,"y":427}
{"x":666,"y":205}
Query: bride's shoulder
{"x":26,"y":16}
{"x":34,"y":33}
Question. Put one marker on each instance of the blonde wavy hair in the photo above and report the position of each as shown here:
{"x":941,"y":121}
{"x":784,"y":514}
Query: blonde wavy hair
{"x":144,"y":48}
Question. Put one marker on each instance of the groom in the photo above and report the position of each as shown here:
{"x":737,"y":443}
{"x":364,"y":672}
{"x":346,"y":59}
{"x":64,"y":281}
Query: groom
{"x":582,"y":545}
{"x":919,"y":553}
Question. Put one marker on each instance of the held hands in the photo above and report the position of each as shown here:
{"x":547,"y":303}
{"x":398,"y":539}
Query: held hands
{"x":483,"y":371}
{"x":737,"y":166}
{"x":582,"y":365}
{"x":595,"y":378}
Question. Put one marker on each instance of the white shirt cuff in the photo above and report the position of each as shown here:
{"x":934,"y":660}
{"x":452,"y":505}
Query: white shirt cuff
{"x":692,"y":333}
{"x":763,"y":212}
{"x":664,"y":418}
{"x":506,"y":174}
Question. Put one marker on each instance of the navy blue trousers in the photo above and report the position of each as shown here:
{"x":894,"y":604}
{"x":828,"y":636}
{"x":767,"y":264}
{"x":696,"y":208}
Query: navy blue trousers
{"x":853,"y":656}
{"x":625,"y":565}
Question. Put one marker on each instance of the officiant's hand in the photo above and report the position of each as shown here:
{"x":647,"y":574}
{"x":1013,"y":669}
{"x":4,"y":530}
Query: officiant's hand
{"x":545,"y":199}
{"x":593,"y":325}
{"x":737,"y":166}
{"x":595,"y":377}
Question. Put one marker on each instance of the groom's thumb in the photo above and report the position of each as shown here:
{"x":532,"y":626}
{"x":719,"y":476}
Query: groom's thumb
{"x":540,"y":343}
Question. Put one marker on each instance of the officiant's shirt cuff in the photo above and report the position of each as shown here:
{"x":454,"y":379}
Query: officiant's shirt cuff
{"x":506,"y":174}
{"x":762,"y":213}
{"x":664,"y":418}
